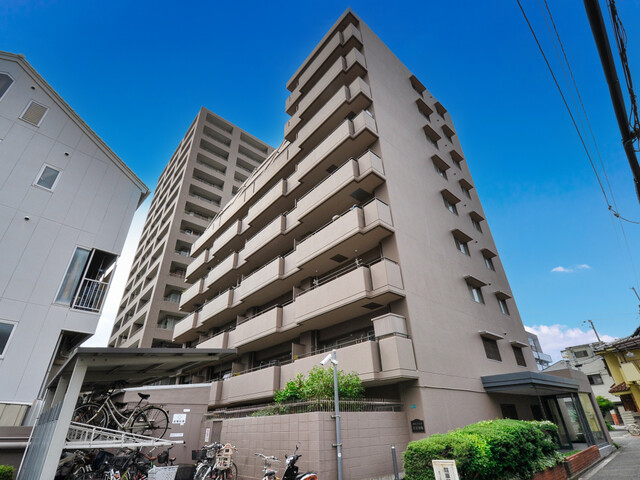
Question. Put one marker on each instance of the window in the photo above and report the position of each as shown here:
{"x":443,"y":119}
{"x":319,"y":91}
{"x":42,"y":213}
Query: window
{"x":509,"y":411}
{"x":47,"y":177}
{"x":489,"y":264}
{"x":476,"y":225}
{"x":457,"y":163}
{"x":491,"y":349}
{"x":503,"y":305}
{"x":6,"y":329}
{"x":84,"y":286}
{"x":461,"y":246}
{"x":440,"y":171}
{"x":476,"y":294}
{"x":451,"y":206}
{"x":581,"y":354}
{"x":5,"y":83}
{"x":593,"y":379}
{"x":466,"y":191}
{"x":517,"y":352}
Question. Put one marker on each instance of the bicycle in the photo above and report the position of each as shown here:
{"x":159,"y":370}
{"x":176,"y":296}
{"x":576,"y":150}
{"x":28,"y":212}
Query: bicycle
{"x":205,"y":458}
{"x":130,"y":466}
{"x":633,"y":429}
{"x":150,"y":420}
{"x":223,"y":468}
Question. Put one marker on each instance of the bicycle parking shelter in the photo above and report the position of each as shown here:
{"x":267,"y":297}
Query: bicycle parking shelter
{"x":95,"y":368}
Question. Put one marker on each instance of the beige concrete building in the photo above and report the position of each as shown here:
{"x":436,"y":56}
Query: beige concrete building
{"x":205,"y":171}
{"x":363,"y":232}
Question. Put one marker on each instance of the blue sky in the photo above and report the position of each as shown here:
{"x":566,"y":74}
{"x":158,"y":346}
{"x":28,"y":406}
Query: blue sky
{"x":137,"y":73}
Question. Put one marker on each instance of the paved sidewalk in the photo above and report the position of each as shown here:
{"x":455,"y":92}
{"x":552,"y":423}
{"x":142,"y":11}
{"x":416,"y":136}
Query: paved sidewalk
{"x":624,"y":464}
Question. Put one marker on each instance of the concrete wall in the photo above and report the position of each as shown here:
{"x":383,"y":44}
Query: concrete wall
{"x":366,"y":439}
{"x":189,"y":400}
{"x":91,"y":206}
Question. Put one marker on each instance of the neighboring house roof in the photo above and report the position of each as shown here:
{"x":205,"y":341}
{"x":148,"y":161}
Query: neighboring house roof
{"x":35,"y":76}
{"x":619,"y":388}
{"x":628,"y":343}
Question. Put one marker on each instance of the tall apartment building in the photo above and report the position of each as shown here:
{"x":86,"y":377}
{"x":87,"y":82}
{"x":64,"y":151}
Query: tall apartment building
{"x":363,"y":232}
{"x":205,"y":171}
{"x":66,"y":203}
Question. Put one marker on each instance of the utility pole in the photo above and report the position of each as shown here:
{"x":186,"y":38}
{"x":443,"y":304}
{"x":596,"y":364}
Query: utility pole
{"x":599,"y":31}
{"x":594,"y":329}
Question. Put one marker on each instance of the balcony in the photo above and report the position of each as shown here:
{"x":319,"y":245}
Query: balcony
{"x":361,"y":228}
{"x":337,"y":45}
{"x":219,"y":304}
{"x":348,"y":100}
{"x":347,"y":296}
{"x":258,"y":327}
{"x":184,"y":330}
{"x":221,"y":340}
{"x":264,"y":236}
{"x":90,"y":295}
{"x":222,"y":270}
{"x":259,"y":284}
{"x":190,"y":295}
{"x":197,"y":267}
{"x":334,"y":193}
{"x":345,"y":70}
{"x":215,"y":244}
{"x":255,"y":385}
{"x":268,"y":201}
{"x":350,"y":139}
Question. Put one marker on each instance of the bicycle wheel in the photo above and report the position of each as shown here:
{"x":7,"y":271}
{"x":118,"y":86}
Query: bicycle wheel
{"x":634,"y":429}
{"x":231,"y":473}
{"x":152,"y":421}
{"x":202,"y":471}
{"x":91,"y":475}
{"x":90,"y":414}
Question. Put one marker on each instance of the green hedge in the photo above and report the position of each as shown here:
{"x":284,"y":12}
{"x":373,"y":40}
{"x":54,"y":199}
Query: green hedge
{"x":6,"y":472}
{"x":491,"y":450}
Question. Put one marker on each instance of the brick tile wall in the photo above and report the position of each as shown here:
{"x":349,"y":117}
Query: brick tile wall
{"x":584,"y":459}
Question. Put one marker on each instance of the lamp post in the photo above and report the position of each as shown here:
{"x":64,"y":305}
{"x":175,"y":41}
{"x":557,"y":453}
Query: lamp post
{"x":333,"y":358}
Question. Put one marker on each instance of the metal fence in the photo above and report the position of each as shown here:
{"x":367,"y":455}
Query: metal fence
{"x":319,"y":405}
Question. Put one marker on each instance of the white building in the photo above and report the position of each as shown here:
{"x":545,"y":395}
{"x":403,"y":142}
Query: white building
{"x":66,"y":203}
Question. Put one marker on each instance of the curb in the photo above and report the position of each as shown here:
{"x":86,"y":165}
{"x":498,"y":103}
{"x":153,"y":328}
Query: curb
{"x":596,"y":467}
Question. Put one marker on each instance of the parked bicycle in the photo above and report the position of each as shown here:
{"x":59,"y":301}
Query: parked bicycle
{"x":268,"y":472}
{"x":633,"y":429}
{"x":73,"y":464}
{"x":215,"y":462}
{"x":148,"y":419}
{"x":126,"y":465}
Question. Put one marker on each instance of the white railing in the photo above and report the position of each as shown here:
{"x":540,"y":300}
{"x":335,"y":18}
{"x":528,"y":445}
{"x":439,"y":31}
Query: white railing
{"x":90,"y":295}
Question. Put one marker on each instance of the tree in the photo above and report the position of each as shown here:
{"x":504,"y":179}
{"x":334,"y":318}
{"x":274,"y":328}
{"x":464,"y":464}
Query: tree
{"x":319,"y":384}
{"x":605,"y":404}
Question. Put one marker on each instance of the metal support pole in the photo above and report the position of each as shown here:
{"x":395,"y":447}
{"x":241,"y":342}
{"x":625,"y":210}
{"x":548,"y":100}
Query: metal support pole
{"x":336,"y":401}
{"x":396,"y":474}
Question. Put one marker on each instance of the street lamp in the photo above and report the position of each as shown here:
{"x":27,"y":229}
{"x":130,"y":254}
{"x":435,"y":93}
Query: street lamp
{"x":332,"y":357}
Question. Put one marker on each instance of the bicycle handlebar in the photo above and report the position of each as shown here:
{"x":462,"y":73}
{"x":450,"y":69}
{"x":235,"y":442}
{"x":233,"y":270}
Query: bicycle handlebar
{"x":275,"y":459}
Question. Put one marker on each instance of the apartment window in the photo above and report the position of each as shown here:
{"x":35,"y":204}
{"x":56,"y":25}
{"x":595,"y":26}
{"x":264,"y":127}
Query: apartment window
{"x":476,"y":225}
{"x":581,"y":354}
{"x":593,"y":379}
{"x":48,"y":177}
{"x":6,"y":329}
{"x":84,"y":286}
{"x":440,"y":171}
{"x":5,"y":83}
{"x":461,"y":246}
{"x":488,"y":255}
{"x":503,"y":306}
{"x":466,"y":191}
{"x":476,"y":293}
{"x":509,"y":411}
{"x":457,"y":163}
{"x":491,"y":349}
{"x":517,"y":352}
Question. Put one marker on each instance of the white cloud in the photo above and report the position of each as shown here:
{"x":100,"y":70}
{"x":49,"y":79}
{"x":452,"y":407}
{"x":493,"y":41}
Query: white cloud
{"x":554,"y":338}
{"x":110,"y":309}
{"x":560,"y":268}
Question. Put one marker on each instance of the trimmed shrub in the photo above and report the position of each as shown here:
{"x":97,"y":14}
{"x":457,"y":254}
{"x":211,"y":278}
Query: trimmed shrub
{"x":319,"y":384}
{"x":6,"y":472}
{"x":490,"y":450}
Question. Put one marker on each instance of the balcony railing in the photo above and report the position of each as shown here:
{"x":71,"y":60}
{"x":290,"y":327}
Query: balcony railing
{"x":90,"y":295}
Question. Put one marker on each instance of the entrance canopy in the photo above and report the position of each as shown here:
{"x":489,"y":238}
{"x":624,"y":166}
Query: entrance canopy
{"x":94,"y":368}
{"x":529,"y":383}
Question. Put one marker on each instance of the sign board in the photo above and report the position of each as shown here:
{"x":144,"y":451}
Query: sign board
{"x":417,"y":426}
{"x":179,"y":418}
{"x":445,"y":469}
{"x":207,"y":435}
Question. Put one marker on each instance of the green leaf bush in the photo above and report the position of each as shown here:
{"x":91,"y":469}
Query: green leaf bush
{"x":489,"y":450}
{"x":319,"y":384}
{"x":6,"y":472}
